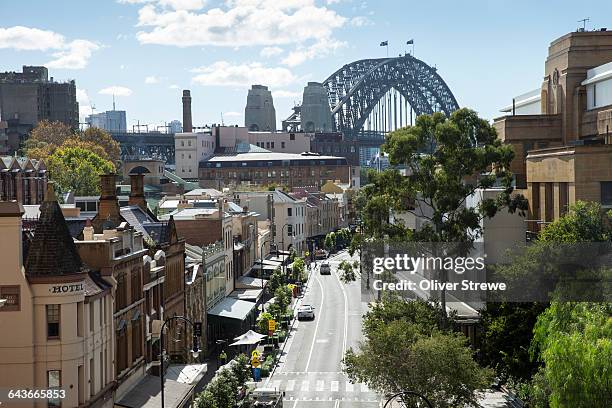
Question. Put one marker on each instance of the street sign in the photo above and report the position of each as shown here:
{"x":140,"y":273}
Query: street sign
{"x":271,"y":325}
{"x":255,"y":359}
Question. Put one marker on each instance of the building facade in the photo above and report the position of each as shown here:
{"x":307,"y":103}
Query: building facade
{"x":562,"y":151}
{"x":189,"y":149}
{"x":29,"y":96}
{"x":111,"y":121}
{"x":259,"y":113}
{"x":260,"y":168}
{"x":67,"y":344}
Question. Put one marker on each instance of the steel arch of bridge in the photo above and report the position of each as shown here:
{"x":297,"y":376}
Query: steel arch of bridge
{"x":356,"y":88}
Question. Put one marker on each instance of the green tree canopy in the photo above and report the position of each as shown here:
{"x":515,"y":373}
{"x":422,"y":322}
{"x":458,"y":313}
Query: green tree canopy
{"x":77,"y":170}
{"x":408,"y":336}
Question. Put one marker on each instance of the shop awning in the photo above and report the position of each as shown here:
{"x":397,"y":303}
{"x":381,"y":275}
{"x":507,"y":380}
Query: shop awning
{"x":232,"y":308}
{"x":247,"y":282}
{"x":250,"y":295}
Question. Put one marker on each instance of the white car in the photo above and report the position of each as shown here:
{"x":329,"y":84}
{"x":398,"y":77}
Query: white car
{"x":305,"y":312}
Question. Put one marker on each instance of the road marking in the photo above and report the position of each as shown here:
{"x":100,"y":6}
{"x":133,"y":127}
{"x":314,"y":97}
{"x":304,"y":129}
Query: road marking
{"x":323,"y":341}
{"x":349,"y":386}
{"x":295,"y":403}
{"x":320,"y":385}
{"x":364,"y":388}
{"x":290,"y":385}
{"x":344,"y":339}
{"x":305,"y":385}
{"x":337,"y":404}
{"x":276,"y":384}
{"x":335,"y":385}
{"x":318,"y":321}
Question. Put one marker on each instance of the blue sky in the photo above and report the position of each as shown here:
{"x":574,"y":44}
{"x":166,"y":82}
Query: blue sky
{"x":147,"y":51}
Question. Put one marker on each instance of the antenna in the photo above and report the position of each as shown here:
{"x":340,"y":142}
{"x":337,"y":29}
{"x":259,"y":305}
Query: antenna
{"x":113,"y":101}
{"x":222,"y":124}
{"x":584,"y":21}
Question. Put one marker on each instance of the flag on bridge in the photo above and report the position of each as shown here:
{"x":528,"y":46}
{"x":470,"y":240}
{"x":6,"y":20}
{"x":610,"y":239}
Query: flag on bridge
{"x":384,"y":43}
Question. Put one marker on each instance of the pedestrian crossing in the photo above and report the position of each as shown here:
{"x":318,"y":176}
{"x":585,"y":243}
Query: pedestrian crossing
{"x":313,"y":385}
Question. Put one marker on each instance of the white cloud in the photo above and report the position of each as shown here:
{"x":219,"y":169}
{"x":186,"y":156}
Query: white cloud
{"x":174,"y":86}
{"x":134,"y":1}
{"x":75,"y":56}
{"x":223,"y":73}
{"x":182,"y":4}
{"x":31,"y":39}
{"x":318,"y":50}
{"x":152,"y":79}
{"x":116,"y":90}
{"x":286,"y":94}
{"x":84,"y":104}
{"x":67,"y":55}
{"x":361,"y":21}
{"x":232,"y":114}
{"x":239,"y":23}
{"x":267,"y":52}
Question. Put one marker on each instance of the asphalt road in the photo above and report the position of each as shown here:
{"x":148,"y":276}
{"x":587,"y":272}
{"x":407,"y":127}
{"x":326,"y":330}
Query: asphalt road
{"x":310,"y":370}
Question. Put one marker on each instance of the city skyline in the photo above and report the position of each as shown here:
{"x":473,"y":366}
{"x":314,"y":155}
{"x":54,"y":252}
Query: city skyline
{"x":149,"y":50}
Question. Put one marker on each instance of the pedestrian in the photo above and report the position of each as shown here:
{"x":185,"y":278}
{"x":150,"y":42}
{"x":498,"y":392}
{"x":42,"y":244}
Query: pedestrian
{"x":223,"y":357}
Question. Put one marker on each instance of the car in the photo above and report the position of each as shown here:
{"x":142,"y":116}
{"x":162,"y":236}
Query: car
{"x":305,"y":312}
{"x":325,"y":269}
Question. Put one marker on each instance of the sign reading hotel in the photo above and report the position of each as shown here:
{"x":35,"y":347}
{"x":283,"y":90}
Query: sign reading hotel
{"x":11,"y":294}
{"x":67,"y":288}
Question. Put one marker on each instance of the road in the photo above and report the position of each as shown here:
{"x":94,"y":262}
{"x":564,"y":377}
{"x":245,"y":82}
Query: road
{"x":310,"y":370}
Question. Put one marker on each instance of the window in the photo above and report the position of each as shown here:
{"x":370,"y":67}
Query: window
{"x":290,"y":230}
{"x":292,"y":136}
{"x":91,"y":316}
{"x":54,"y":381}
{"x":282,"y":145}
{"x":53,"y":321}
{"x":182,"y":143}
{"x":272,"y":145}
{"x":136,"y":336}
{"x":189,"y":143}
{"x":563,"y":198}
{"x":606,"y":193}
{"x":289,"y":210}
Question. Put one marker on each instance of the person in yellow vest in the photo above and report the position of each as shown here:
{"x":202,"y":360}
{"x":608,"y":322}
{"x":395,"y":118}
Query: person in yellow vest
{"x":223,"y":357}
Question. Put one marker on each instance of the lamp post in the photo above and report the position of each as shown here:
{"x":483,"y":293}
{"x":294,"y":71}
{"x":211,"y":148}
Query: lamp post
{"x":261,"y":274}
{"x":197,"y":332}
{"x":283,"y":244}
{"x":408,"y":393}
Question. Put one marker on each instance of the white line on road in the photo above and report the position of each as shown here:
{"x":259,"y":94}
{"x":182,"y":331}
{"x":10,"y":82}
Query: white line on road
{"x":344,"y":339}
{"x":337,"y":404}
{"x":314,"y":338}
{"x":305,"y":386}
{"x":290,"y":385}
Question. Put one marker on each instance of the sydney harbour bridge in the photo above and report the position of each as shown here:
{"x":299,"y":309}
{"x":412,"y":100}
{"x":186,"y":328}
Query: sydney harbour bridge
{"x":363,"y":100}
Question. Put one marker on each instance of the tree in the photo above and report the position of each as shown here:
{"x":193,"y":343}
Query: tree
{"x":76,"y":169}
{"x":298,"y":269}
{"x":508,"y":342}
{"x":330,"y":241}
{"x":221,"y":392}
{"x":55,"y":133}
{"x":347,"y":271}
{"x":103,"y":139}
{"x":277,"y":279}
{"x":409,"y":336}
{"x":574,"y":341}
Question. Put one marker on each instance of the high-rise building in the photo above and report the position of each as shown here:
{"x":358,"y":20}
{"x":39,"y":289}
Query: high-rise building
{"x":259,"y":114}
{"x":113,"y":121}
{"x":175,"y":126}
{"x":30,"y":96}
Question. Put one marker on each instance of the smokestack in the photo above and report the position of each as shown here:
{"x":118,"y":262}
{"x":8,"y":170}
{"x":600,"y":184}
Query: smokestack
{"x":187,"y":125}
{"x":108,"y":207}
{"x":137,"y":196}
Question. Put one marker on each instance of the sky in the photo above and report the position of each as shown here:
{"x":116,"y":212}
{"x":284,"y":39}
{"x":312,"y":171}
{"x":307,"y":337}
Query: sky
{"x":146,"y":51}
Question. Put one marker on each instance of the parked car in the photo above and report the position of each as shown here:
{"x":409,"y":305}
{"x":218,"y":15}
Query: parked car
{"x":321,"y":254}
{"x":325,"y":269}
{"x":305,"y":312}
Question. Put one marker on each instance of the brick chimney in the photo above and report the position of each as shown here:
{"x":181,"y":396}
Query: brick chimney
{"x":137,"y":196}
{"x":108,"y":208}
{"x":187,"y":125}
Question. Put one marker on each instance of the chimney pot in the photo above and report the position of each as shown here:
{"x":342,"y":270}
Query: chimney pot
{"x":187,"y":123}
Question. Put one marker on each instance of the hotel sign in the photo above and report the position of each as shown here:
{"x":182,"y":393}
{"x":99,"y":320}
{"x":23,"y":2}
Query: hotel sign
{"x":13,"y":299}
{"x":68,"y":288}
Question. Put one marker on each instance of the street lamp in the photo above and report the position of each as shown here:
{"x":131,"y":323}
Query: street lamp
{"x":261,"y":265}
{"x":403,"y":394}
{"x":197,"y":332}
{"x":283,"y":244}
